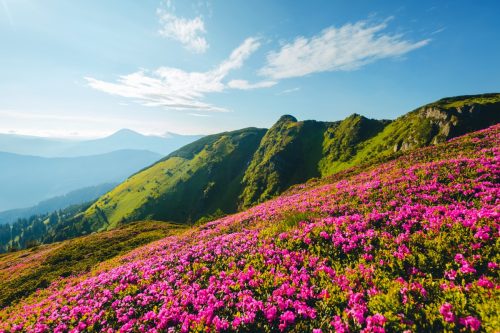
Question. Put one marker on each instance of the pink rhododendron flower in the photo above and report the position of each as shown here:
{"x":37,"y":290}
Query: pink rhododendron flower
{"x":446,"y":312}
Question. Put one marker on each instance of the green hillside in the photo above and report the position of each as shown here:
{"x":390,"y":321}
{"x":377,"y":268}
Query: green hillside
{"x":429,"y":124}
{"x":287,"y":155}
{"x":342,"y":140}
{"x":234,"y":170}
{"x":192,"y":182}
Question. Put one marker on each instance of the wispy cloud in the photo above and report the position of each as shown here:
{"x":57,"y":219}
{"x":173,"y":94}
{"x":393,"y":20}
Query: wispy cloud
{"x":177,"y":89}
{"x":438,"y":31}
{"x":348,"y":47}
{"x":288,"y":91}
{"x":189,"y":32}
{"x":245,"y":85}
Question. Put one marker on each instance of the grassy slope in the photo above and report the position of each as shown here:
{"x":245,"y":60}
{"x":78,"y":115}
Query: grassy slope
{"x":288,"y":154}
{"x":292,"y":152}
{"x":342,"y":140}
{"x":23,"y":272}
{"x":180,"y":186}
{"x":461,"y":101}
{"x":429,"y":124}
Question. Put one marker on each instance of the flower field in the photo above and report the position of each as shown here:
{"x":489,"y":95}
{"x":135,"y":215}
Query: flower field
{"x":408,"y":245}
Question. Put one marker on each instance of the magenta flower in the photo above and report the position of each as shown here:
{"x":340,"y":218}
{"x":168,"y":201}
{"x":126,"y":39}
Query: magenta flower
{"x":446,"y":312}
{"x":471,"y":323}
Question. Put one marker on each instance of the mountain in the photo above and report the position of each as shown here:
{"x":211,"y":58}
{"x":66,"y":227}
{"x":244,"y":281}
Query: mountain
{"x":409,"y":245}
{"x":187,"y":184}
{"x":128,"y":139}
{"x":79,"y":196}
{"x":124,"y":139}
{"x":288,"y":154}
{"x":238,"y":169}
{"x":27,"y":180}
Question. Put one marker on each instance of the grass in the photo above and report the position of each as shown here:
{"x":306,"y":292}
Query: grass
{"x":457,"y":102}
{"x":287,"y":222}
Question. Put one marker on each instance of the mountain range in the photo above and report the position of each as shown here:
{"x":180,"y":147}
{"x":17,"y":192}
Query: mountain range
{"x":234,"y":170}
{"x":124,"y":139}
{"x":27,"y":180}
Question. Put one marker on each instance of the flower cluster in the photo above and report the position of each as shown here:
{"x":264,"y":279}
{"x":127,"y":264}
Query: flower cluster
{"x":406,"y":246}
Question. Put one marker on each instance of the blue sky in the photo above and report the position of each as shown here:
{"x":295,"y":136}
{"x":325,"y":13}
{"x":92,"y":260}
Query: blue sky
{"x":88,"y":68}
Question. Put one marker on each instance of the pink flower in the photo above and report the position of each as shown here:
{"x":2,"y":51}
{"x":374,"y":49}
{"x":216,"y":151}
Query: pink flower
{"x":402,"y":252}
{"x":485,"y":282}
{"x":446,"y":312}
{"x":286,"y":319}
{"x":451,"y":274}
{"x":376,"y":320}
{"x":483,"y":233}
{"x":236,"y":322}
{"x":467,"y":268}
{"x":459,"y":258}
{"x":339,"y":325}
{"x":471,"y":322}
{"x":271,"y":313}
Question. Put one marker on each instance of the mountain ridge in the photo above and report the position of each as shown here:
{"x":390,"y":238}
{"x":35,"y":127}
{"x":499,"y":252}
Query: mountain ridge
{"x":27,"y":180}
{"x":78,"y":196}
{"x":119,"y":140}
{"x":290,"y":152}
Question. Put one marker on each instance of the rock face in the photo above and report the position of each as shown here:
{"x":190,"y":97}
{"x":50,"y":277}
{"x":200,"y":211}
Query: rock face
{"x":452,"y":117}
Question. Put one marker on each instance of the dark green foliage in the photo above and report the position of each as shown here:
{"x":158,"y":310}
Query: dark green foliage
{"x":211,"y":217}
{"x":342,"y":139}
{"x":42,"y":229}
{"x":209,"y":187}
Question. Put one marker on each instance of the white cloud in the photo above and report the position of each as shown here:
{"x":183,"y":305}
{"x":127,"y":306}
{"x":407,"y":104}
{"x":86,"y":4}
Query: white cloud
{"x":336,"y":49}
{"x":245,"y":85}
{"x":189,"y":32}
{"x":177,"y":89}
{"x":288,"y":91}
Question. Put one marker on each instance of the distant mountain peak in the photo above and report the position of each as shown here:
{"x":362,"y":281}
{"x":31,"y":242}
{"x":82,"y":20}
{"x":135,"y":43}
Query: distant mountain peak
{"x":168,"y":134}
{"x":125,"y":131}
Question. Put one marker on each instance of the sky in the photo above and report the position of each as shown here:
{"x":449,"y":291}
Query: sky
{"x":87,"y":68}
